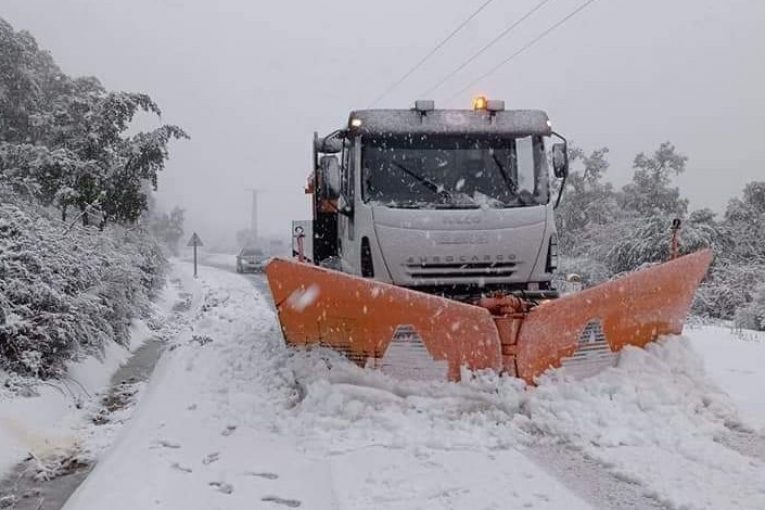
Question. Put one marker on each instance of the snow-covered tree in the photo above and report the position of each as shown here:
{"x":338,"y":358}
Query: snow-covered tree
{"x":752,"y":316}
{"x":168,"y":228}
{"x":588,"y":201}
{"x":731,"y":290}
{"x":601,"y":228}
{"x":745,"y":219}
{"x":650,"y":193}
{"x":64,"y":140}
{"x":728,"y":288}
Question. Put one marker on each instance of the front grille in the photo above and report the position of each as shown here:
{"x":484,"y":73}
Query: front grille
{"x":433,"y":270}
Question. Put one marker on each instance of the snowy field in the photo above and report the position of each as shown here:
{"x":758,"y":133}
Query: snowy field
{"x":233,"y":419}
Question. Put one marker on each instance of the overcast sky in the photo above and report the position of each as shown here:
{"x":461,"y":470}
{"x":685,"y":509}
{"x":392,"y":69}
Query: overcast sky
{"x":251,"y":80}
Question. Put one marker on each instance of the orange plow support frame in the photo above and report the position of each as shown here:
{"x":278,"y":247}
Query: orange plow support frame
{"x":361,"y":317}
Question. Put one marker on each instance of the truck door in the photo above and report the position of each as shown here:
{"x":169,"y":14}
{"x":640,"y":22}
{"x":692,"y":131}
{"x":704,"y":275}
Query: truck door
{"x":349,"y":249}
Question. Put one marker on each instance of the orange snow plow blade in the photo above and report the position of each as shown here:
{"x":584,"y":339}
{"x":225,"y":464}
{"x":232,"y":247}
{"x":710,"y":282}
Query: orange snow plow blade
{"x":418,"y":335}
{"x":361,"y":318}
{"x":580,"y":331}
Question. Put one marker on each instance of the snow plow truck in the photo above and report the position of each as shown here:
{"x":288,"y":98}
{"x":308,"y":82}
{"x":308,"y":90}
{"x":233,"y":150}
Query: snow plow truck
{"x":433,"y":245}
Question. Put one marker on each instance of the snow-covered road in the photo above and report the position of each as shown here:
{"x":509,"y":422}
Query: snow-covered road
{"x":233,"y":419}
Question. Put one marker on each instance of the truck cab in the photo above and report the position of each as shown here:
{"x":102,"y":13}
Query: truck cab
{"x":451,"y":202}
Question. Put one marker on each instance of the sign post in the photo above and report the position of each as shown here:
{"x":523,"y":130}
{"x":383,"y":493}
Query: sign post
{"x":195,"y":241}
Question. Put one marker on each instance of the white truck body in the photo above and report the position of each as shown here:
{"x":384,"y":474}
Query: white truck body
{"x":447,"y":201}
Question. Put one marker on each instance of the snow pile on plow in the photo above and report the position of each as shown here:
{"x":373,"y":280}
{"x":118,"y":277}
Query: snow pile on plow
{"x":655,"y":422}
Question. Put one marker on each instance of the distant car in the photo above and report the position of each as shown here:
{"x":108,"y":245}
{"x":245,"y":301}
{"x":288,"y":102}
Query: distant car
{"x":250,"y":260}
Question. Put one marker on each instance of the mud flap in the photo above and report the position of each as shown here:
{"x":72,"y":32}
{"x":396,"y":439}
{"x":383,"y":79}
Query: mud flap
{"x":362,"y":317}
{"x":579,"y":331}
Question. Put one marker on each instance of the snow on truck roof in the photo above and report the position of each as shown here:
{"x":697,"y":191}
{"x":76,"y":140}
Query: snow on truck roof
{"x":457,"y":122}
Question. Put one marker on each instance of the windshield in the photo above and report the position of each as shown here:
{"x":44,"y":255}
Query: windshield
{"x":465,"y":171}
{"x":252,"y":252}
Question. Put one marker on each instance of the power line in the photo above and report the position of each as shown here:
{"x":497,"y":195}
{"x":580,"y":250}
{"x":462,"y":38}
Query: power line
{"x":431,"y":52}
{"x":484,"y":48}
{"x":524,"y":48}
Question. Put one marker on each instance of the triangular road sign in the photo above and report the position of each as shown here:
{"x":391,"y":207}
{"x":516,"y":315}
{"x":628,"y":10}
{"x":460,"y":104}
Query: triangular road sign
{"x":195,"y":241}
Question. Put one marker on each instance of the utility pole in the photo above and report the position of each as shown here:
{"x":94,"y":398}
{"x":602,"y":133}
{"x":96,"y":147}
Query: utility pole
{"x":254,"y":208}
{"x":254,"y":214}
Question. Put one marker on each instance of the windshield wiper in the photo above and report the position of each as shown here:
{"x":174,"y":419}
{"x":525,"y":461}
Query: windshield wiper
{"x":508,"y":181}
{"x":511,"y":185}
{"x":424,"y":181}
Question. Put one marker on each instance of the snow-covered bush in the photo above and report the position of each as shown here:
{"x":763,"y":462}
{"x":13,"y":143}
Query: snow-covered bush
{"x":65,"y":290}
{"x":734,"y":286}
{"x":647,"y":240}
{"x":729,"y":287}
{"x":752,"y":316}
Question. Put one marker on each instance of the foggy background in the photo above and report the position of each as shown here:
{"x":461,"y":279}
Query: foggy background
{"x":250,"y":81}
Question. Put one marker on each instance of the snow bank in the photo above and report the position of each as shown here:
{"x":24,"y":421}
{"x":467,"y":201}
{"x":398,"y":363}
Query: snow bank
{"x":654,"y":420}
{"x":735,"y":359}
{"x":47,"y":419}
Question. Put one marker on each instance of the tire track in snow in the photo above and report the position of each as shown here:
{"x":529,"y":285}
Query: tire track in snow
{"x":590,"y":479}
{"x":749,"y":444}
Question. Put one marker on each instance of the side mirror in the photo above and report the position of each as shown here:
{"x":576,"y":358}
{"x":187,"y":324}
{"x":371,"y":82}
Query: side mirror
{"x":329,"y":178}
{"x":560,"y":160}
{"x":330,"y":144}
